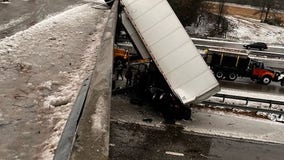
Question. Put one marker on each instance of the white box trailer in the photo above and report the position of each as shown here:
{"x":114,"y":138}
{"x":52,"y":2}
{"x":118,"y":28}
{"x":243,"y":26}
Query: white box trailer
{"x":171,"y":49}
{"x":134,"y":36}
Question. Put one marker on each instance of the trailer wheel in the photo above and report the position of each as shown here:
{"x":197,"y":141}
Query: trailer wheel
{"x":232,"y":76}
{"x":266,"y":80}
{"x":219,"y":75}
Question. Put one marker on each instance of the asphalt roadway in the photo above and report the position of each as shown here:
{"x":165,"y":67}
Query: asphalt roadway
{"x":245,"y":84}
{"x":136,"y":141}
{"x":236,"y":45}
{"x":130,"y":141}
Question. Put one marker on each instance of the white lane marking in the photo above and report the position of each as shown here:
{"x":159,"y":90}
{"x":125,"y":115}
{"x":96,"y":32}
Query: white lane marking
{"x":174,"y":153}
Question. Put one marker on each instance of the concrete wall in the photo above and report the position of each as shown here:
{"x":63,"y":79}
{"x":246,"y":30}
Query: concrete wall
{"x":92,"y":141}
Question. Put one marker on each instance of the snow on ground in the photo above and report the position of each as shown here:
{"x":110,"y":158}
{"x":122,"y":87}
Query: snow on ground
{"x":247,"y":30}
{"x":252,"y":94}
{"x":42,"y":69}
{"x":237,"y":5}
{"x":202,"y":29}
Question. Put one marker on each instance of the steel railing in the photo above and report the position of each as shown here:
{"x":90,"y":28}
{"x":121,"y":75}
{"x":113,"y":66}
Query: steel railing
{"x":245,"y":106}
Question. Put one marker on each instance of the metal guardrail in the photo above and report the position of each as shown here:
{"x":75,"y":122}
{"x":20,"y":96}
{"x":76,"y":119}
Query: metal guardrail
{"x":245,"y":107}
{"x":86,"y":133}
{"x":267,"y":54}
{"x":247,"y":99}
{"x":250,"y":52}
{"x":65,"y":145}
{"x":242,"y":107}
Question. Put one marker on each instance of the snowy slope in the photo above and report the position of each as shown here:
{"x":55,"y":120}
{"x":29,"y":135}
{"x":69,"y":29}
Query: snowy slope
{"x":247,"y":30}
{"x":243,"y":30}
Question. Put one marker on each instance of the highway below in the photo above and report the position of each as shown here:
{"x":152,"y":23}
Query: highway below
{"x":237,"y":45}
{"x":245,"y":84}
{"x":130,"y":141}
{"x":137,"y":132}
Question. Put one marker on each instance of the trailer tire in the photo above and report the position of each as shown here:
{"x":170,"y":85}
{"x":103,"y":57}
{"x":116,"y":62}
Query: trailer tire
{"x":219,"y":74}
{"x":232,"y":76}
{"x":266,"y":80}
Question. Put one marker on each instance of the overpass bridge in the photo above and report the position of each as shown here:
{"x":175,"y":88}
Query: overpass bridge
{"x":86,"y":134}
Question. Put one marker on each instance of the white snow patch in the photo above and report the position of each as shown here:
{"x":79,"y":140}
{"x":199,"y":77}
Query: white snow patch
{"x":97,"y":121}
{"x":251,"y":30}
{"x":246,"y":30}
{"x":46,"y":85}
{"x":50,"y":147}
{"x":76,"y":77}
{"x":55,"y":101}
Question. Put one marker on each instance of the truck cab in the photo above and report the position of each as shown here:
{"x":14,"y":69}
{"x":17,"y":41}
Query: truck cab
{"x":261,"y":73}
{"x":120,"y":55}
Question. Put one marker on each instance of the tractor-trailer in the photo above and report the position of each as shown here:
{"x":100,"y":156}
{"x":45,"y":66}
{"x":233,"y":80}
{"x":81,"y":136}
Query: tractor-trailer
{"x":171,"y":49}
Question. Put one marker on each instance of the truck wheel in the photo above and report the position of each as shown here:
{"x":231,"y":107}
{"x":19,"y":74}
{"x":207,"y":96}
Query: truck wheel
{"x":266,"y":80}
{"x":219,"y":75}
{"x":232,"y":76}
{"x":277,"y":74}
{"x":282,"y":83}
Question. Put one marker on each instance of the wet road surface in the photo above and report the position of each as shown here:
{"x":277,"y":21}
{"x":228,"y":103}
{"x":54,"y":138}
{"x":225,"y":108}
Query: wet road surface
{"x":135,"y":142}
{"x":21,"y":14}
{"x":234,"y":45}
{"x":131,"y":138}
{"x":245,"y":84}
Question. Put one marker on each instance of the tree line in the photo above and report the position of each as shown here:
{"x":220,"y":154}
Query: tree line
{"x":257,"y":3}
{"x":267,"y":9}
{"x":190,"y":11}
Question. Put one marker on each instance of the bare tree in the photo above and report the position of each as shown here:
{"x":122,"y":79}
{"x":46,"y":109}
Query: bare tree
{"x":268,"y":9}
{"x":221,"y":26}
{"x":269,"y":5}
{"x":186,"y":10}
{"x":262,"y":9}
